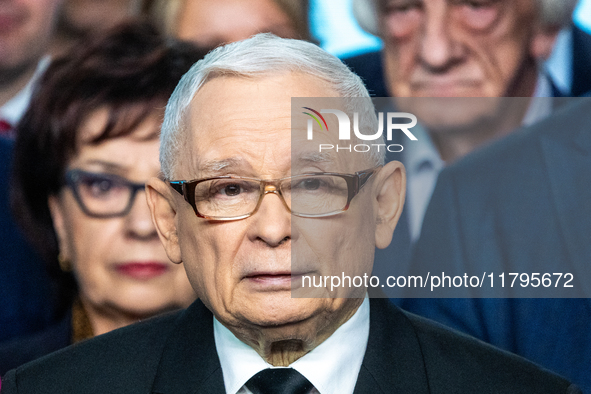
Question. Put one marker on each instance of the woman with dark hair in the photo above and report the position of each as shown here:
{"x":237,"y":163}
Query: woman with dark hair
{"x":83,"y":152}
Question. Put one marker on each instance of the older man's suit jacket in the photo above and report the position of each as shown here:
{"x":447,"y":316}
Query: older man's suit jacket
{"x":521,"y":205}
{"x":176,"y":354}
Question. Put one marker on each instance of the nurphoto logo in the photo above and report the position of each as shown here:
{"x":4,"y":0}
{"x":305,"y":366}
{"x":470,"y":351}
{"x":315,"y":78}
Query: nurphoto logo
{"x":392,"y":124}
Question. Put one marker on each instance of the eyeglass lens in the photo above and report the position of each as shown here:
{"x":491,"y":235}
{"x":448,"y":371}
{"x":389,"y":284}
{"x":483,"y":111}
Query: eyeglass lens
{"x":306,"y":195}
{"x":102,"y":194}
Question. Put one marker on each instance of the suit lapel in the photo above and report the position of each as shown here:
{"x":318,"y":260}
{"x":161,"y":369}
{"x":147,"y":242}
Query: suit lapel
{"x":393,"y":361}
{"x":567,"y":156}
{"x":189,"y":362}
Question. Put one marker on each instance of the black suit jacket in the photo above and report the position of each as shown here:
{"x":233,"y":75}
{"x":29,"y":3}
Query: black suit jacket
{"x":21,"y":350}
{"x":25,"y":292}
{"x":176,"y":354}
{"x":521,"y":205}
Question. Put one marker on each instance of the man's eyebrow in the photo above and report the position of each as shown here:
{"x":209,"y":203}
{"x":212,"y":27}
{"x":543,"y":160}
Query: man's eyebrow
{"x":315,"y":158}
{"x":217,"y":167}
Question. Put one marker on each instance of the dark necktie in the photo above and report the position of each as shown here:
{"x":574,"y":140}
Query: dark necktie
{"x":279,"y":381}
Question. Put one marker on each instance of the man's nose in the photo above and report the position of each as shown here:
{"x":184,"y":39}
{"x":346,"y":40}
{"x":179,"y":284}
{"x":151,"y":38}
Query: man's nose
{"x":272,"y":221}
{"x":437,"y":48}
{"x":138,"y":222}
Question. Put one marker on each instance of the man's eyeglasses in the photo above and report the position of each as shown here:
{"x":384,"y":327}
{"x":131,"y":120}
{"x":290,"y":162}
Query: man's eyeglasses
{"x":102,"y":195}
{"x":318,"y":194}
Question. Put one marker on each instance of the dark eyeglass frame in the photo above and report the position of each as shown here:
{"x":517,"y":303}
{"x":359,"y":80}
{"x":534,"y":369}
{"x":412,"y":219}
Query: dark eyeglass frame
{"x":354,"y":184}
{"x":72,"y":177}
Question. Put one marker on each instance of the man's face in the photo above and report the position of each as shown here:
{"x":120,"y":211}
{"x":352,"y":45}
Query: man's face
{"x":93,"y":17}
{"x":210,"y":23}
{"x":26,"y":27}
{"x":462,"y":48}
{"x":241,"y":269}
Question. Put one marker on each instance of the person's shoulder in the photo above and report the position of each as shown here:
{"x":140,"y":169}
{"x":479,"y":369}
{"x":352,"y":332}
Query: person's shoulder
{"x":368,"y":66}
{"x":366,"y":59}
{"x":455,"y":361}
{"x":5,"y":157}
{"x":5,"y":145}
{"x":124,"y":360}
{"x":23,"y":349}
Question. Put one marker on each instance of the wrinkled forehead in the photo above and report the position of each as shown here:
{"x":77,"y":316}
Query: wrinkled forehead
{"x":243,"y":125}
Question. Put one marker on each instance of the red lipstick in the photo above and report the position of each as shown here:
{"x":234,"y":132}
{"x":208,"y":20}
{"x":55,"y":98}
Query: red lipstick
{"x":142,"y":270}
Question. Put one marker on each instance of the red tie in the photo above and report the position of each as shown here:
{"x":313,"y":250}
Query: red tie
{"x":5,"y":128}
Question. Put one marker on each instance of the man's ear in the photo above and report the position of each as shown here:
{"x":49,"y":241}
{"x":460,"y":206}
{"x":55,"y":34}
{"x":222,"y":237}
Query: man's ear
{"x":162,"y":207}
{"x":391,"y":190}
{"x":59,"y":225}
{"x":543,"y":41}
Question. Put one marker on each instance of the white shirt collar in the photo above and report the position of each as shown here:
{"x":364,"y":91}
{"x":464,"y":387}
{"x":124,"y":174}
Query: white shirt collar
{"x":560,"y":63}
{"x":332,"y":367}
{"x":420,"y":151}
{"x":541,"y":102}
{"x":15,"y":108}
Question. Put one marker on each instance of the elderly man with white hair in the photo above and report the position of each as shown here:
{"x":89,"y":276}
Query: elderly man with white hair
{"x":384,"y":18}
{"x":460,"y":49}
{"x":242,"y":192}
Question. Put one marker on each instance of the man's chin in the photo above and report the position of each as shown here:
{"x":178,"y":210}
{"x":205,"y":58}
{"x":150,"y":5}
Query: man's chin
{"x":277,"y":309}
{"x":450,"y":88}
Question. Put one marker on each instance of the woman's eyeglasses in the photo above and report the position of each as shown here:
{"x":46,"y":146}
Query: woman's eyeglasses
{"x":102,"y":195}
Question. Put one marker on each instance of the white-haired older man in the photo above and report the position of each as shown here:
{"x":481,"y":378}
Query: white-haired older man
{"x":239,"y":198}
{"x":504,"y":39}
{"x":458,"y":48}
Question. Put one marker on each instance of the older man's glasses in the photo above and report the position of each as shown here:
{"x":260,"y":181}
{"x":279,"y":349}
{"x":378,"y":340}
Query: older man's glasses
{"x":102,"y":195}
{"x":318,"y":194}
